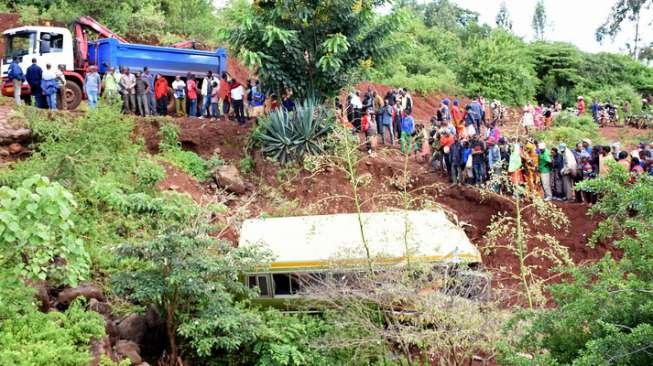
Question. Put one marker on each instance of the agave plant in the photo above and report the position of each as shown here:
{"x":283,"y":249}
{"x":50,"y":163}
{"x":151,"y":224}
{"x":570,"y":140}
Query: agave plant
{"x":289,"y":136}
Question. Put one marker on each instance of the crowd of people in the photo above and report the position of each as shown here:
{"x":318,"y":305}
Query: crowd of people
{"x":46,"y":86}
{"x":465,"y":143}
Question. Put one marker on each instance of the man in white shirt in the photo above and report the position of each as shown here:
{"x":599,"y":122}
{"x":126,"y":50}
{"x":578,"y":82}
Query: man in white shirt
{"x":237,"y":93}
{"x":206,"y":90}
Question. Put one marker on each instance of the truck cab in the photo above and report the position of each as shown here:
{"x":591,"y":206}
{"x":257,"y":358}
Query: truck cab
{"x":48,"y":45}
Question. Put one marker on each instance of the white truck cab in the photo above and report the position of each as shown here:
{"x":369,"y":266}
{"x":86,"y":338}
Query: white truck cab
{"x":48,"y":45}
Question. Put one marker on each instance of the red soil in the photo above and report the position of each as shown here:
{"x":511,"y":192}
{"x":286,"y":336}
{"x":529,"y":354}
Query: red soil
{"x":178,"y":181}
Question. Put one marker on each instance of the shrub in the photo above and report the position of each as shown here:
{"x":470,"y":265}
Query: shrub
{"x":570,"y":129}
{"x":29,"y":337}
{"x":617,"y":95}
{"x":287,"y":137}
{"x":187,"y":161}
{"x":37,"y":232}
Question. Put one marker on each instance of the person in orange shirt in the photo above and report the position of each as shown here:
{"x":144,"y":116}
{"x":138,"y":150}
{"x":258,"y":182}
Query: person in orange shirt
{"x":161,"y":88}
{"x":224,"y":90}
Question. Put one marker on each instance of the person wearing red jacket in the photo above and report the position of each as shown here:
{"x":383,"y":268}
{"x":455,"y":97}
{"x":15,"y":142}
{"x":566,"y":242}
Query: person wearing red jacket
{"x":161,"y":88}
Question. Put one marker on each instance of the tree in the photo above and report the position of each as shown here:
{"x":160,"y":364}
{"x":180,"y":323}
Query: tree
{"x":621,"y":11}
{"x":313,"y":48}
{"x":193,"y":280}
{"x":503,"y":17}
{"x":646,"y":54}
{"x":557,"y":65}
{"x":539,"y":20}
{"x":498,"y":67}
{"x":603,"y":311}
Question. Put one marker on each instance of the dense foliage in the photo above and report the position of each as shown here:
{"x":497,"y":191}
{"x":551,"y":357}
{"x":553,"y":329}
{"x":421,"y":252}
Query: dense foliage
{"x":603,"y":316}
{"x":313,"y":48}
{"x":29,"y":337}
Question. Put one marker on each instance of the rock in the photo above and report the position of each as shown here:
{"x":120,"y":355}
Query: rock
{"x":99,"y":307}
{"x":100,"y":348}
{"x":42,"y":294}
{"x":15,"y":148}
{"x":86,"y":290}
{"x":130,"y":350}
{"x":153,"y":318}
{"x":4,"y":151}
{"x":10,"y":135}
{"x":112,"y":330}
{"x":133,"y":328}
{"x":229,"y":178}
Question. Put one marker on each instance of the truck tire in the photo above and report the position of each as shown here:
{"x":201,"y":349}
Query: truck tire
{"x":73,"y":94}
{"x":172,"y":110}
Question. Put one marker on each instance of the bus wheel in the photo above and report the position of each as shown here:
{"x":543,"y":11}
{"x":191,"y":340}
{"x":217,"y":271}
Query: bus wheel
{"x":73,"y":95}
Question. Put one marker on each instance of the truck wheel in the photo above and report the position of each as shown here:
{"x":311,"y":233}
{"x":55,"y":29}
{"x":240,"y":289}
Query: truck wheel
{"x":172,"y":110}
{"x":73,"y":95}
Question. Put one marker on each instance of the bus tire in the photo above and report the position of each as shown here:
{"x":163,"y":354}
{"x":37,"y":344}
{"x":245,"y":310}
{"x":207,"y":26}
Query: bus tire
{"x":73,"y":94}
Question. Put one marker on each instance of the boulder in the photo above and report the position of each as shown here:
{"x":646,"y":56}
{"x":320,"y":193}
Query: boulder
{"x":229,"y":178}
{"x":130,"y":350}
{"x":15,"y":148}
{"x":133,"y":328}
{"x":87,"y":290}
{"x":100,"y":348}
{"x":42,"y":294}
{"x":10,"y":135}
{"x":99,"y":307}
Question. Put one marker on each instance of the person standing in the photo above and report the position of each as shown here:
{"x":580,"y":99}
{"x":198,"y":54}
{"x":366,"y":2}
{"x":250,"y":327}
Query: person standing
{"x":580,"y":106}
{"x":149,"y":77}
{"x":191,"y":93}
{"x":224,"y":92}
{"x":237,"y":94}
{"x":476,"y":112}
{"x":110,"y":85}
{"x":179,"y":88}
{"x":215,"y":100}
{"x":478,"y":154}
{"x":568,"y":172}
{"x":545,"y":165}
{"x":16,"y":76}
{"x":61,"y":80}
{"x":142,"y":95}
{"x":407,"y":130}
{"x":49,"y":86}
{"x":386,"y":122}
{"x":207,"y":88}
{"x":128,"y":85}
{"x":92,"y":86}
{"x":161,"y":94}
{"x":258,"y":100}
{"x":34,"y":76}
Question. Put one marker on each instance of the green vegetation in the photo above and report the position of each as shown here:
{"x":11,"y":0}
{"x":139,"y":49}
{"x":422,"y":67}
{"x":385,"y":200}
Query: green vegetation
{"x":603,"y":316}
{"x":570,"y":130}
{"x":29,"y":337}
{"x":288,"y":137}
{"x":187,"y":161}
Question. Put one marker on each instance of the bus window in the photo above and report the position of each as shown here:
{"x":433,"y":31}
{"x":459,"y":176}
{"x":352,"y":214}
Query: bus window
{"x":295,"y":284}
{"x":19,"y":44}
{"x":281,"y":283}
{"x":260,"y":282}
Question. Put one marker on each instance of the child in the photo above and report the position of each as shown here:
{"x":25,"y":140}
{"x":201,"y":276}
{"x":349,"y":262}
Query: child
{"x":215,"y":98}
{"x":588,"y":173}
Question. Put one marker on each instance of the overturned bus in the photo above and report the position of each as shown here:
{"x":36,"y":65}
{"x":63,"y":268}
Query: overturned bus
{"x":313,"y":248}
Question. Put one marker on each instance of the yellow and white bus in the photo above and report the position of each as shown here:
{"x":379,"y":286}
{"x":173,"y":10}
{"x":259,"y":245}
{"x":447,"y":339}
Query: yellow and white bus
{"x":306,"y":248}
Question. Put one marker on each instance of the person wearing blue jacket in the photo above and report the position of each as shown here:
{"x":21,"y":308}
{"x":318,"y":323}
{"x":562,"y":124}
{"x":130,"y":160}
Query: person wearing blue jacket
{"x":34,"y":75}
{"x":457,"y":161}
{"x":16,"y":76}
{"x":386,"y":122}
{"x":407,"y":130}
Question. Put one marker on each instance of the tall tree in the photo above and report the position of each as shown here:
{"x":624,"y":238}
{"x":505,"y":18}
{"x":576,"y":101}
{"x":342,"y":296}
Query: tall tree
{"x":503,"y":17}
{"x":312,"y":47}
{"x":621,"y":11}
{"x":539,"y":20}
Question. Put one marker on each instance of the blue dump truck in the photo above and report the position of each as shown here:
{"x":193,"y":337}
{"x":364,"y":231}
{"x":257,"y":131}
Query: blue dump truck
{"x":57,"y":46}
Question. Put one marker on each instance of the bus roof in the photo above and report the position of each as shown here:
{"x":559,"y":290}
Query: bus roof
{"x":306,"y":242}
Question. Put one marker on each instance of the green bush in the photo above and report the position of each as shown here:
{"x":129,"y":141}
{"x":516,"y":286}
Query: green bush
{"x":29,"y":337}
{"x":617,"y":95}
{"x":570,"y":129}
{"x":37,"y":232}
{"x":287,"y":137}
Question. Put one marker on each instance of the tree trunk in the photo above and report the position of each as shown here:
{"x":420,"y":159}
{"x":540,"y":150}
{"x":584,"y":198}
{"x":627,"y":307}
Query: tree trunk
{"x":635,"y":55}
{"x":172,"y":334}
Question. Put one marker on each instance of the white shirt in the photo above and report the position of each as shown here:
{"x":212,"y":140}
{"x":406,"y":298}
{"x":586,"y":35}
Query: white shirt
{"x":356,"y":102}
{"x":237,"y":93}
{"x":48,"y":74}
